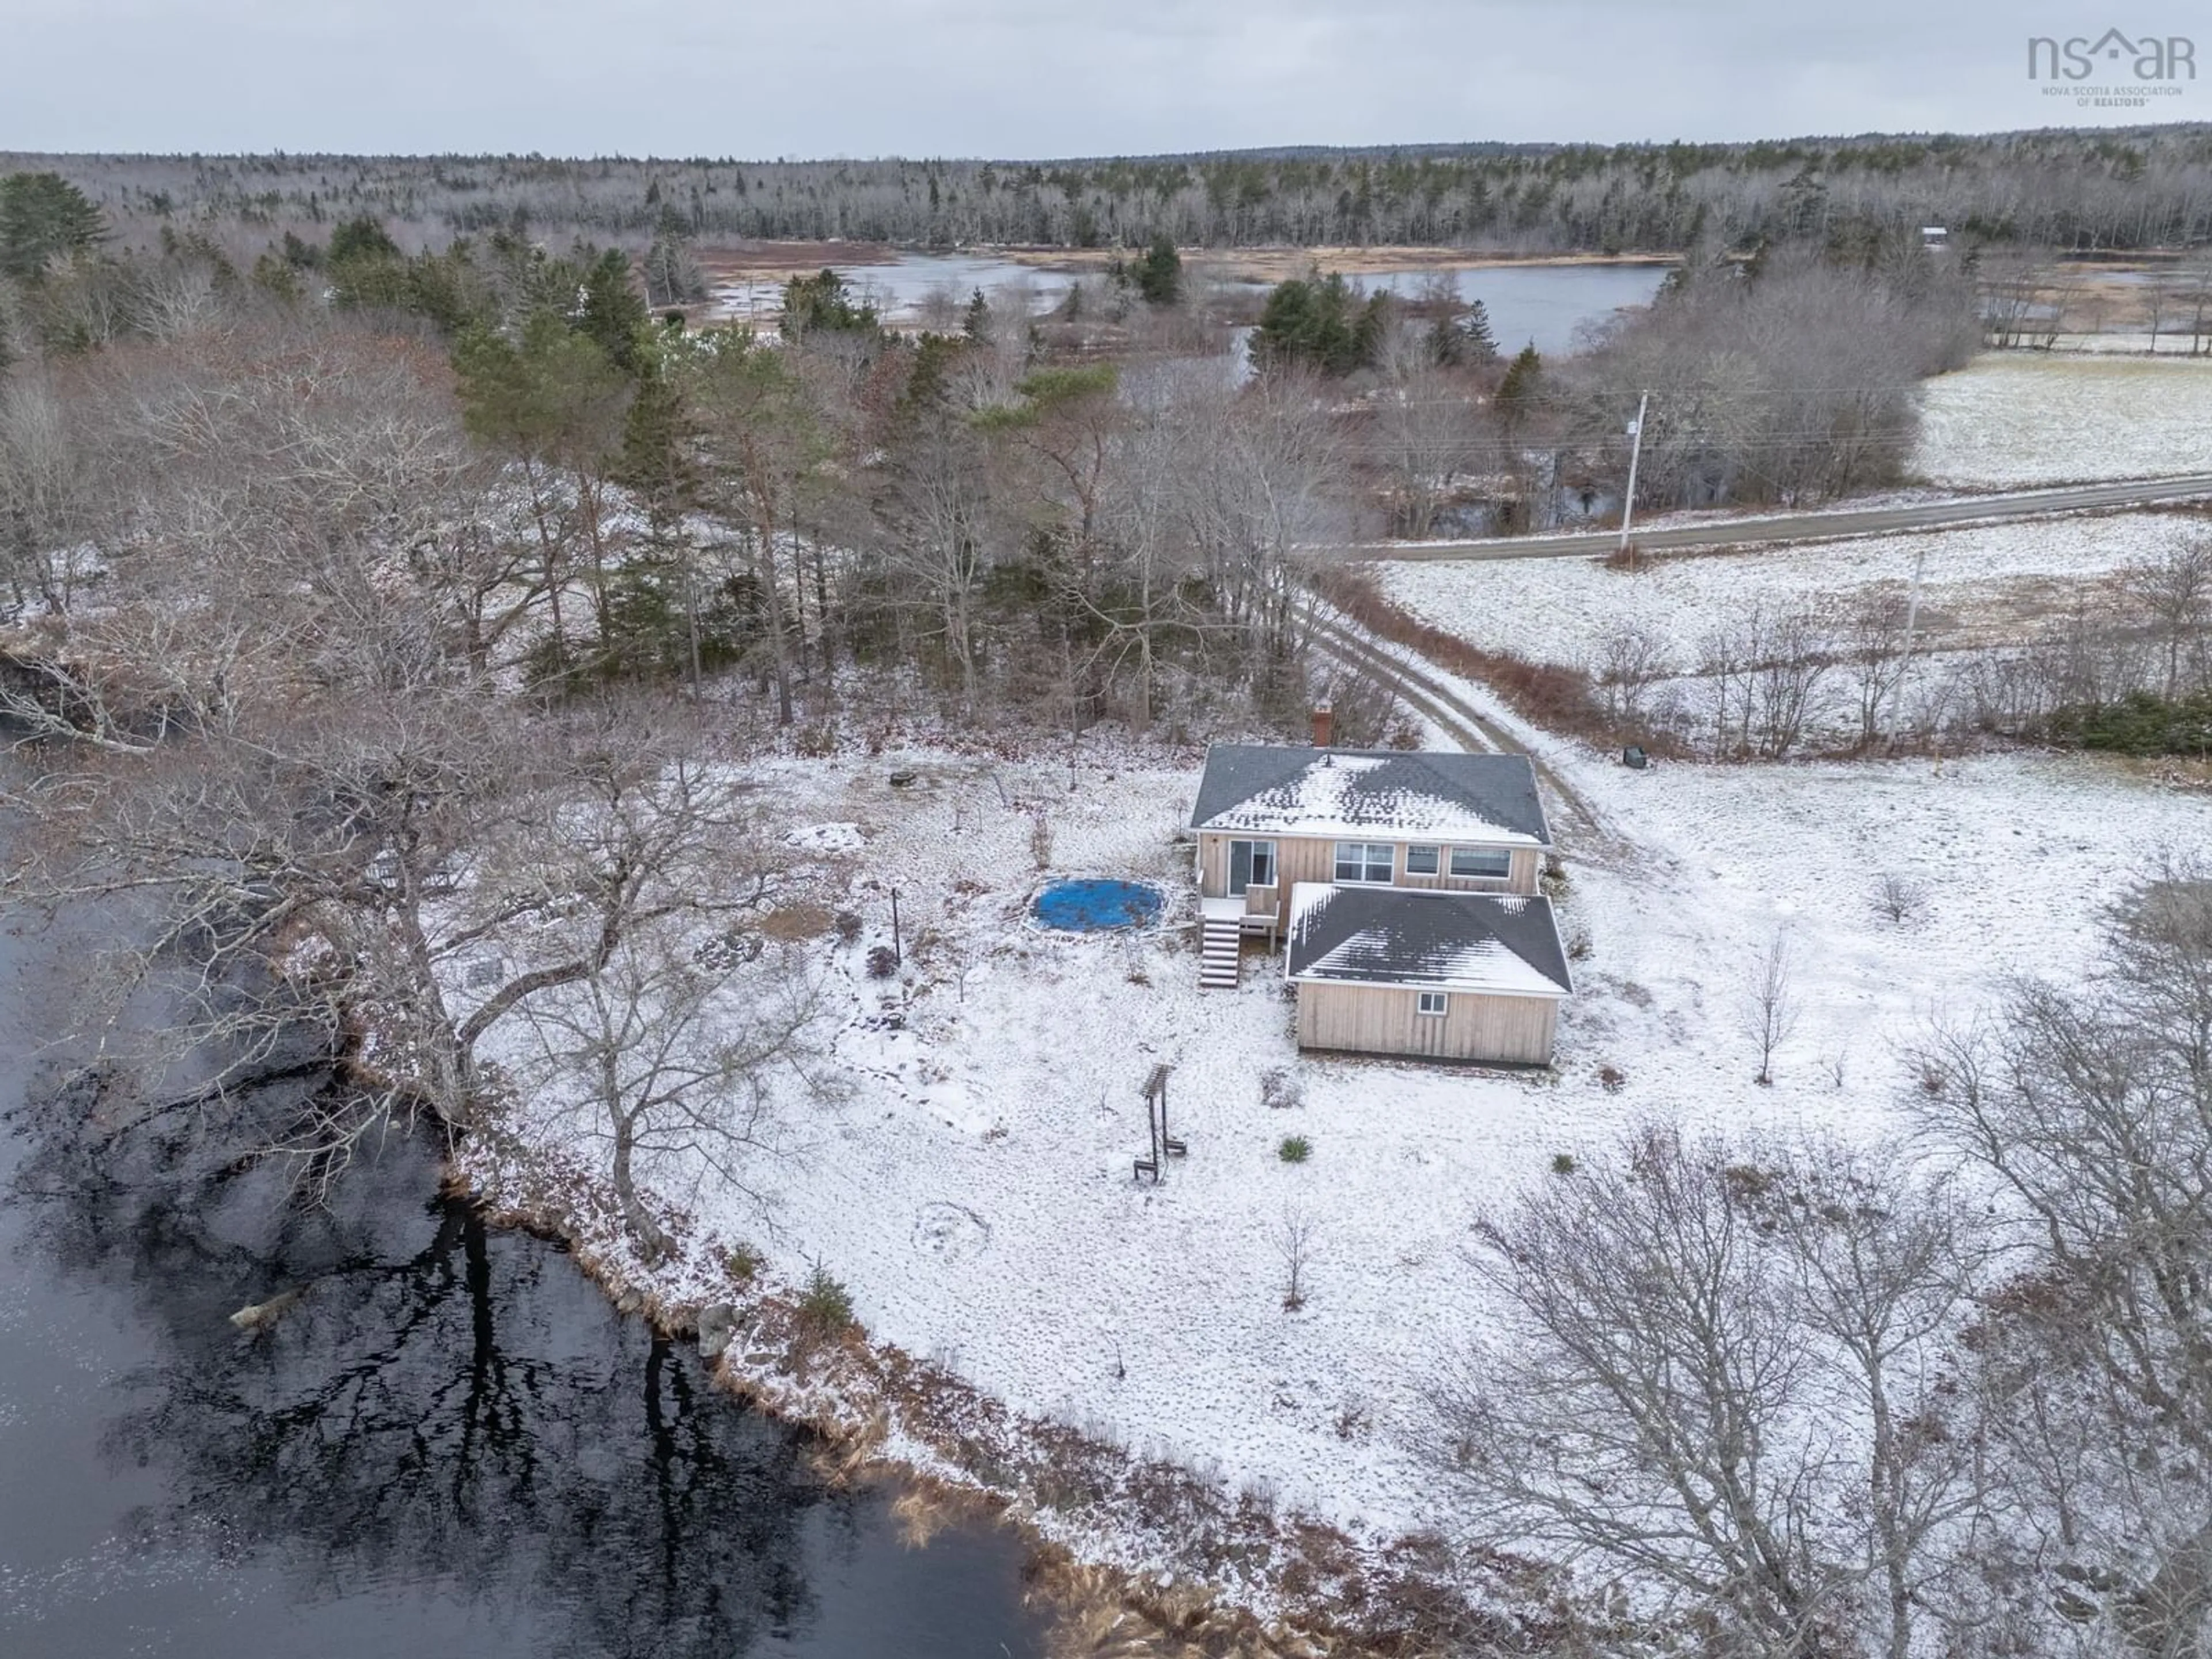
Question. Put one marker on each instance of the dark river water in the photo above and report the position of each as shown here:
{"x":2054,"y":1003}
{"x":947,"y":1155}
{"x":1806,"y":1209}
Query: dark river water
{"x":450,"y":1444}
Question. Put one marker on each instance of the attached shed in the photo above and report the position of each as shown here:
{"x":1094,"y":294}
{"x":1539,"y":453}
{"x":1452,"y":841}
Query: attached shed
{"x":1443,"y":976}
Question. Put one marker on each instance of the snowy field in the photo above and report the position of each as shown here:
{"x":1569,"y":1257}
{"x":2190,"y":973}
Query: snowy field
{"x":975,"y":1189}
{"x":2011,"y":420}
{"x":1981,"y":584}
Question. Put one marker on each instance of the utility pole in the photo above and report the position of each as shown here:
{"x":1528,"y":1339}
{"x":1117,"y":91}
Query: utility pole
{"x":1635,"y":455}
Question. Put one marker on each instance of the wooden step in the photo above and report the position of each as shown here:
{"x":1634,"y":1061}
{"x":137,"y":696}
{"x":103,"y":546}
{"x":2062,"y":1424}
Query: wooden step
{"x":1221,"y":956}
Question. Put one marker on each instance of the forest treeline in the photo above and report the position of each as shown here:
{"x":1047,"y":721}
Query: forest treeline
{"x":2111,"y":188}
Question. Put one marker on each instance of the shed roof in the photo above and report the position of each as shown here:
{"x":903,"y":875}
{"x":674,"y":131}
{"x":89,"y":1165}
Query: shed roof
{"x":1279,"y":789}
{"x":1500,"y":944}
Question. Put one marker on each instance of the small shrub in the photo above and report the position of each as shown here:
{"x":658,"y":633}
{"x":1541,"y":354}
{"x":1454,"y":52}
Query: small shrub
{"x":825,"y":1308}
{"x":2140,"y":723}
{"x":1280,"y":1088}
{"x":1563,"y":1164}
{"x":1041,"y":839}
{"x":1747,"y":1181}
{"x":1611,"y":1078}
{"x":1295,"y":1149}
{"x":1578,"y":944}
{"x":848,"y":924}
{"x":743,"y":1263}
{"x":882,"y":962}
{"x":1898,"y":898}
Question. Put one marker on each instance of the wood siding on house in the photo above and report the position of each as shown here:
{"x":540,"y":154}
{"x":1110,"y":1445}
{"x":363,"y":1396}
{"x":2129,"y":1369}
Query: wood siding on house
{"x":1385,"y":1019}
{"x":1308,"y":858}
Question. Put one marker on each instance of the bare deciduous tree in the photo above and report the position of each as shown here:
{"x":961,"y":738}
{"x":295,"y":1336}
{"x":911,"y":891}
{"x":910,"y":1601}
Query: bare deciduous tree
{"x":683,"y":1051}
{"x":2090,"y":1109}
{"x":2176,"y":591}
{"x":1718,"y":1376}
{"x":1427,"y":430}
{"x":1771,"y":1008}
{"x":1630,"y":661}
{"x":1898,"y":898}
{"x":1294,"y":1241}
{"x":1873,"y":652}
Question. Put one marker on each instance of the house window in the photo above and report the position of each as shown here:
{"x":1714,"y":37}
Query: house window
{"x":1422,"y":860}
{"x":1432,"y":1002}
{"x":1475,"y":861}
{"x":1251,"y":864}
{"x":1363,"y":861}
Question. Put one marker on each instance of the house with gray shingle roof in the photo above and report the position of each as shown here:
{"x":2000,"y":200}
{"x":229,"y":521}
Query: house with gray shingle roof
{"x":1393,"y":828}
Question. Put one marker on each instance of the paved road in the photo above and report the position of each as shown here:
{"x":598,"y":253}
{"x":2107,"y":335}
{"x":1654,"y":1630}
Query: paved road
{"x":1813,"y":527}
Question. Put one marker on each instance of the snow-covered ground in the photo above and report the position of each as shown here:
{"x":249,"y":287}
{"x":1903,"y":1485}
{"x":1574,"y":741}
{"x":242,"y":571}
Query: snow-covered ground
{"x":1981,"y":584}
{"x":2010,"y":420}
{"x":974,"y":1188}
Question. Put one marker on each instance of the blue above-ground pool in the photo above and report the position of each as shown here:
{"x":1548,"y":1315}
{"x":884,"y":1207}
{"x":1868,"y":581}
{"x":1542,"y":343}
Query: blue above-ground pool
{"x":1098,"y":905}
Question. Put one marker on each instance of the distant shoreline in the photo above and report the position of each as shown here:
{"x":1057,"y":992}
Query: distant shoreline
{"x":738,"y":262}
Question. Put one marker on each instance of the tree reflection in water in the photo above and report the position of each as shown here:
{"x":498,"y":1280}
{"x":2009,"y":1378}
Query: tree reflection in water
{"x":454,"y":1411}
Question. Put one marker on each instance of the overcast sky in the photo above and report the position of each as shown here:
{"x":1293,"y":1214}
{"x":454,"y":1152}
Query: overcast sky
{"x":995,"y":77}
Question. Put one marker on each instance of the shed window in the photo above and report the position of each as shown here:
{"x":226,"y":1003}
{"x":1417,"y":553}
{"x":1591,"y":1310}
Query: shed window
{"x":1432,"y":1002}
{"x":1422,"y":860}
{"x":1479,"y":861}
{"x":1251,"y":864}
{"x":1364,"y":861}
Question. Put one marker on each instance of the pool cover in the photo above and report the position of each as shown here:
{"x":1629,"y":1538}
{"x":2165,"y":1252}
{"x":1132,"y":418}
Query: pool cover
{"x":1091,"y":907}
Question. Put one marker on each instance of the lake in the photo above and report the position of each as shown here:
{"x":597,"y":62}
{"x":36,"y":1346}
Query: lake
{"x":1544,"y":305}
{"x":451,"y":1444}
{"x":1547,"y":305}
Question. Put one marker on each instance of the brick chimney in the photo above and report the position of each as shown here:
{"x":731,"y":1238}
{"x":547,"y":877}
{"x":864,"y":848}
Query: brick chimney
{"x":1324,"y":725}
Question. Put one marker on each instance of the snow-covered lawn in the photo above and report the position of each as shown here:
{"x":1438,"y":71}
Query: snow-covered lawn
{"x":2013,"y":419}
{"x":1982,"y":584}
{"x":974,"y":1188}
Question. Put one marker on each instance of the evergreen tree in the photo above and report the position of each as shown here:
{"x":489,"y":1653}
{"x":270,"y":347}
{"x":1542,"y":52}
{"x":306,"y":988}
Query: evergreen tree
{"x":613,"y":312}
{"x":43,"y":218}
{"x":1158,"y":275}
{"x":1321,"y":322}
{"x":934,"y":355}
{"x":549,"y":393}
{"x":672,"y":276}
{"x":1479,"y":343}
{"x":366,"y":269}
{"x":976,"y":325}
{"x":821,"y":303}
{"x":1517,"y":392}
{"x":656,"y":460}
{"x":361,"y":238}
{"x":654,"y":613}
{"x":278,"y":277}
{"x":1462,"y":337}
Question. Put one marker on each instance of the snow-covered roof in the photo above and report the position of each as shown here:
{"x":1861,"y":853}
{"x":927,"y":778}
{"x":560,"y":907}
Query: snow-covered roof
{"x":1279,"y":789}
{"x":1496,"y":943}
